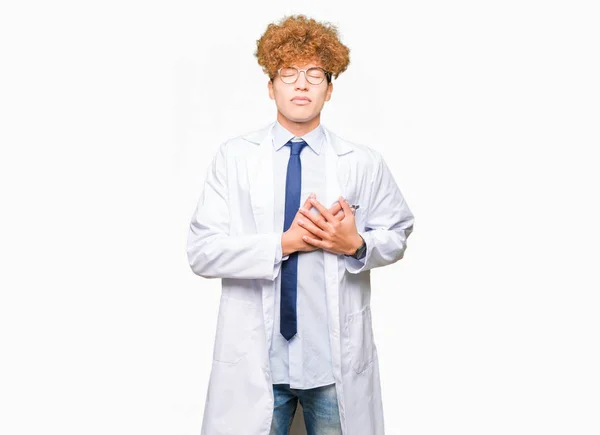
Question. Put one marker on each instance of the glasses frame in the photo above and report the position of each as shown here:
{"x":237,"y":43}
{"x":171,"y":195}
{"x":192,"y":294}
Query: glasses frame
{"x":327,"y":75}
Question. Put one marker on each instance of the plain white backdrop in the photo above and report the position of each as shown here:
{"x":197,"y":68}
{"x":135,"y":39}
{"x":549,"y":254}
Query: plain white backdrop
{"x":486,"y":112}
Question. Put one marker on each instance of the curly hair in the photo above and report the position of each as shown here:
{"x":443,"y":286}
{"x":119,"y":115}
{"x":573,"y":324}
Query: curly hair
{"x":297,"y":38}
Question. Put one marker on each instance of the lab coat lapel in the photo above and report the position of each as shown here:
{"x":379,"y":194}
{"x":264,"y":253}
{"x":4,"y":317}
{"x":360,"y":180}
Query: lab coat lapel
{"x":337,"y":178}
{"x":259,"y":166}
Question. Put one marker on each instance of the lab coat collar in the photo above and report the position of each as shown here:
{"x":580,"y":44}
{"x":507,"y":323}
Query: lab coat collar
{"x":339,"y":145}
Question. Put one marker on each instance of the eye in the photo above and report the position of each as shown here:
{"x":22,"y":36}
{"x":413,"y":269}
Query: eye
{"x":316,"y":73}
{"x":288,"y":72}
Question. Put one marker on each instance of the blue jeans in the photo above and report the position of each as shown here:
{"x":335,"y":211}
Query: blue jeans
{"x":319,"y":406}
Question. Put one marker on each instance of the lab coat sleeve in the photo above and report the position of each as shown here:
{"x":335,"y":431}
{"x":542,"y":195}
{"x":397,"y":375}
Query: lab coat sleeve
{"x":388,"y":223}
{"x":211,"y":251}
{"x":278,"y":259}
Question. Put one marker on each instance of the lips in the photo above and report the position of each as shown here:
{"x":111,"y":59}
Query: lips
{"x":301,"y":101}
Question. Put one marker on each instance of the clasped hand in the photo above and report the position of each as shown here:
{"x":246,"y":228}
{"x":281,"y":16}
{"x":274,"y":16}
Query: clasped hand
{"x":333,"y":229}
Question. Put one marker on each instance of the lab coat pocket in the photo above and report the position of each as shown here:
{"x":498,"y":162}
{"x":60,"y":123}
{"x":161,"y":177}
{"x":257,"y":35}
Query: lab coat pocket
{"x":236,"y":326}
{"x":360,"y":332}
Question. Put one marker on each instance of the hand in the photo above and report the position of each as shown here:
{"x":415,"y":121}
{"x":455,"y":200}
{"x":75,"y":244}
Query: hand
{"x":291,"y":240}
{"x":328,"y":232}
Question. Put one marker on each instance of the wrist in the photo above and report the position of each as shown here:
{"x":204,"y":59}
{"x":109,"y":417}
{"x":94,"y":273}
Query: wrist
{"x":286,"y":248}
{"x":357,"y":243}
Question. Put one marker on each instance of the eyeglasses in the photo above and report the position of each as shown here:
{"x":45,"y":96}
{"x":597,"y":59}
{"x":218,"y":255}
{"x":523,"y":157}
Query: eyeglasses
{"x":314,"y":75}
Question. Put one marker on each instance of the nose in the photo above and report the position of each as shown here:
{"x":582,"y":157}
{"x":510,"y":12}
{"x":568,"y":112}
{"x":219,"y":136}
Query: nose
{"x":301,"y":82}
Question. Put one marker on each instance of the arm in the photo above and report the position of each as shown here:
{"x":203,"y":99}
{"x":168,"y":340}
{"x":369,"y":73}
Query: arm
{"x":388,"y":224}
{"x":211,"y":251}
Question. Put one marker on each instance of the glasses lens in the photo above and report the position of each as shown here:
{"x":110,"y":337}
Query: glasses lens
{"x":288,"y":75}
{"x":314,"y":75}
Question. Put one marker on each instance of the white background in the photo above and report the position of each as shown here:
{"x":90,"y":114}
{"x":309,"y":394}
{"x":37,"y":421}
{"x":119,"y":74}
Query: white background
{"x":486,"y":112}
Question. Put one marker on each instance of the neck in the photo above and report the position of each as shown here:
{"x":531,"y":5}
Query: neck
{"x":299,"y":128}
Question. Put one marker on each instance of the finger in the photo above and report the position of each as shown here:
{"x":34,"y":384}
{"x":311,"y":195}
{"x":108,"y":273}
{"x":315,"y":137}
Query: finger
{"x":313,"y":229}
{"x":312,"y":241}
{"x":335,"y":208}
{"x":307,"y":205}
{"x":313,"y":217}
{"x":316,"y":219}
{"x":324,"y":212}
{"x":345,"y":206}
{"x":337,"y":211}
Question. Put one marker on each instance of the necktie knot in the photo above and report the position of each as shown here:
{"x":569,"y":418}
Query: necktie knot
{"x":297,"y":147}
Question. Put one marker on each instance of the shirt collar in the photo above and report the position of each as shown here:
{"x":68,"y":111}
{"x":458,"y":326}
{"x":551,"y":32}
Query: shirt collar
{"x":313,"y":138}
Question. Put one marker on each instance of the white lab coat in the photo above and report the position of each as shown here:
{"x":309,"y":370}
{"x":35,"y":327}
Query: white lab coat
{"x":232,"y":236}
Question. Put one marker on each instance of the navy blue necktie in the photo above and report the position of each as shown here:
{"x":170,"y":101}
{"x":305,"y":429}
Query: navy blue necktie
{"x":289,"y":268}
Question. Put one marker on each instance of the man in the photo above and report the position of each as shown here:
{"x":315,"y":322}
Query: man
{"x":292,"y":218}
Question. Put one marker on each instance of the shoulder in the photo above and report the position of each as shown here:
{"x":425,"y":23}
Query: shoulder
{"x":245,"y":142}
{"x":360,"y":152}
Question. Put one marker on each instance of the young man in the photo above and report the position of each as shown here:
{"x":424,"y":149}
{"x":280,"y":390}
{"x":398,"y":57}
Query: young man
{"x":292,"y":218}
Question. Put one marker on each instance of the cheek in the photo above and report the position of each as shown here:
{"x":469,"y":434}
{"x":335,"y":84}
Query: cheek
{"x":280,"y":101}
{"x":322,"y":97}
{"x":319,"y":101}
{"x":280,"y":97}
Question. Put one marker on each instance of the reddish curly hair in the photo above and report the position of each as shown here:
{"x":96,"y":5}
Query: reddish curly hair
{"x":298,"y":39}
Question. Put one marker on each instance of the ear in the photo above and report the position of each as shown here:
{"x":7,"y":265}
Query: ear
{"x":329,"y":91}
{"x":271,"y":91}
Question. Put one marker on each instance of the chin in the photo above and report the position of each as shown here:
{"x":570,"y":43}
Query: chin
{"x":300,"y":120}
{"x":296,"y":118}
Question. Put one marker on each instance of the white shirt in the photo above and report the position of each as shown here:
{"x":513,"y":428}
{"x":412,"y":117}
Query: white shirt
{"x":305,"y":361}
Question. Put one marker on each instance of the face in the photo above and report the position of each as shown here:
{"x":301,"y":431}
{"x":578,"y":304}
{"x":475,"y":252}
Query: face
{"x":300,"y":102}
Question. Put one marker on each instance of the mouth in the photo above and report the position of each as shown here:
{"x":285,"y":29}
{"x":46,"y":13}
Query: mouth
{"x":301,"y":101}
